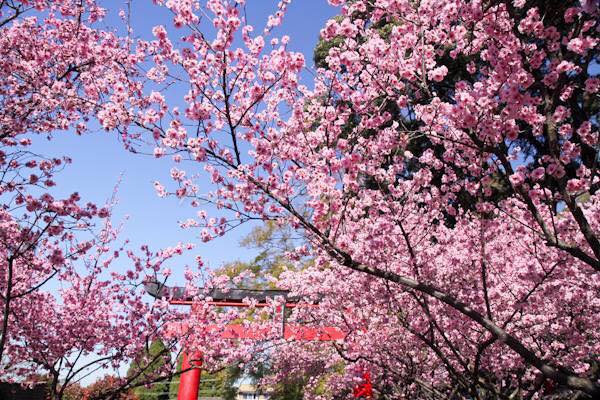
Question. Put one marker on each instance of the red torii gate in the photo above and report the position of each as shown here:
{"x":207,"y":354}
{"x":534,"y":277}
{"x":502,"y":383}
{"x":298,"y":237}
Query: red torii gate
{"x":189,"y":384}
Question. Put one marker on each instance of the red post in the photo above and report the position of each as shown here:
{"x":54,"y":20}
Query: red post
{"x":189,"y":383}
{"x":365,"y":389}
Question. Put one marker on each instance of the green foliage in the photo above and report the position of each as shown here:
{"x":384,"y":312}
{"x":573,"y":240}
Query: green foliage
{"x":216,"y":384}
{"x":272,"y":241}
{"x":292,"y":389}
{"x":228,"y":378}
{"x":174,"y":384}
{"x":323,"y":46}
{"x":146,"y":367}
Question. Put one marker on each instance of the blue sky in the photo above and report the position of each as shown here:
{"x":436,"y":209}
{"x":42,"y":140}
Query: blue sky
{"x":99,"y":158}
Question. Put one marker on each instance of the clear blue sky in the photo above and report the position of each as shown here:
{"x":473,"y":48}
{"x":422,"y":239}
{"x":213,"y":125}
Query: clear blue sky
{"x":99,"y":159}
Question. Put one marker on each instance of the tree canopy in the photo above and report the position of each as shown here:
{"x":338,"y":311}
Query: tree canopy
{"x":434,"y":183}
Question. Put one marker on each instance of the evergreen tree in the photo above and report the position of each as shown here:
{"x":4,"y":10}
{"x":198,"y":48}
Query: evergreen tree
{"x":155,"y":358}
{"x":272,"y":242}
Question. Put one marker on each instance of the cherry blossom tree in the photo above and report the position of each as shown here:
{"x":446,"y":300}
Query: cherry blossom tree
{"x":70,"y":293}
{"x":499,"y":297}
{"x":388,"y":166}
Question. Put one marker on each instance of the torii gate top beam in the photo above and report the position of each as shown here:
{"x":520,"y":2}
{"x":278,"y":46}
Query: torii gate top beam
{"x":235,"y":298}
{"x":230,"y":298}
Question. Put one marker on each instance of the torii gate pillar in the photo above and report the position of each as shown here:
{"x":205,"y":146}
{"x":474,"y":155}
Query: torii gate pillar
{"x":189,"y":382}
